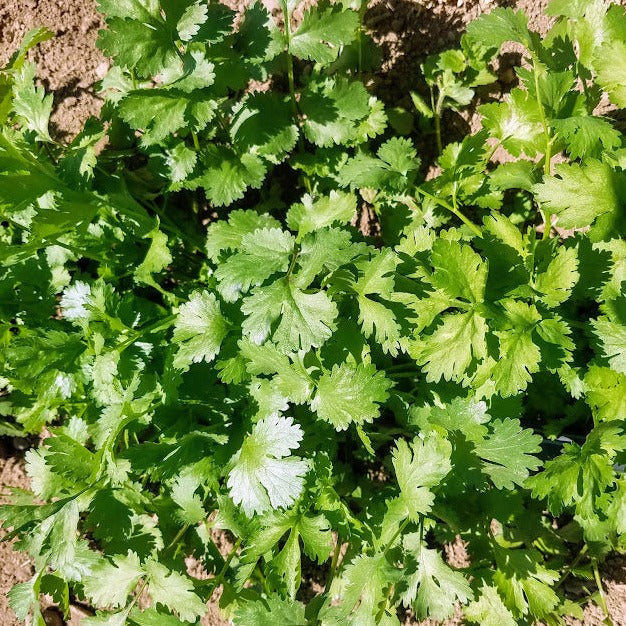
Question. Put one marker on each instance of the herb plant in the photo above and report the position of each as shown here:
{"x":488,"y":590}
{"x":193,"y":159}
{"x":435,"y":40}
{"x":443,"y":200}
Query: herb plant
{"x":191,"y":316}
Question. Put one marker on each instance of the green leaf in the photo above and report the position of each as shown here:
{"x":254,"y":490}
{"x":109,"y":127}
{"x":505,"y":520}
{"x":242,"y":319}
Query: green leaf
{"x":261,"y":254}
{"x":419,"y":465}
{"x":501,"y":25}
{"x":227,"y":235}
{"x":199,"y":330}
{"x":580,"y":474}
{"x":332,"y":110}
{"x":312,"y":215}
{"x":159,"y":113}
{"x":265,"y":475}
{"x":365,"y":581}
{"x":489,"y":610}
{"x":31,"y":104}
{"x":430,"y":586}
{"x":156,"y":260}
{"x":24,"y":598}
{"x":227,"y":175}
{"x":262,"y":124}
{"x":613,"y":340}
{"x":306,"y":319}
{"x":268,"y":612}
{"x":392,"y":170}
{"x":605,"y":390}
{"x":506,"y":453}
{"x":453,"y":346}
{"x":174,"y":591}
{"x":519,"y":355}
{"x":580,"y":194}
{"x":111,"y":582}
{"x":459,"y":271}
{"x":556,"y":282}
{"x":323,"y":31}
{"x":526,"y":585}
{"x":145,"y":47}
{"x":609,"y":63}
{"x":517,"y":122}
{"x":587,"y":136}
{"x":349,"y":394}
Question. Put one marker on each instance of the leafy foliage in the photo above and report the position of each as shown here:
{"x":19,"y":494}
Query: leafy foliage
{"x":212,"y":344}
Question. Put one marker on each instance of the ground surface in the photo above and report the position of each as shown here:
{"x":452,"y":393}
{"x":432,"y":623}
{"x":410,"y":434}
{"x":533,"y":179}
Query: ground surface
{"x":70,"y":63}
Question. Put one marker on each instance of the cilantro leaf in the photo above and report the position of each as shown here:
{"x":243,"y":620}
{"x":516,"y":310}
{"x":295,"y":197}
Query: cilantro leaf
{"x":110,"y":583}
{"x":489,"y":610}
{"x":348,"y":394}
{"x":265,"y":475}
{"x":312,"y":215}
{"x":506,"y":453}
{"x":419,"y":465}
{"x":580,"y":194}
{"x":199,"y":330}
{"x":432,"y":588}
{"x":173,"y":590}
{"x":323,"y":31}
{"x":261,"y":254}
{"x":306,"y":319}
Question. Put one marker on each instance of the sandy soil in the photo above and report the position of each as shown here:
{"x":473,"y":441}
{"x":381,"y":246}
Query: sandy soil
{"x":69,"y":64}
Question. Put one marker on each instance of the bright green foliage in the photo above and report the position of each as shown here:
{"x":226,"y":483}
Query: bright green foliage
{"x":194,"y":311}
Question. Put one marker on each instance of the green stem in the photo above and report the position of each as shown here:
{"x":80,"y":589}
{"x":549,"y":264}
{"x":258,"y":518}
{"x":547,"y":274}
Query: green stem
{"x":398,"y":532}
{"x":602,"y":597}
{"x":437,"y":109}
{"x":196,"y":143}
{"x":333,"y":565}
{"x":412,"y":374}
{"x":263,"y":580}
{"x":362,"y":10}
{"x":568,"y":570}
{"x":544,"y":121}
{"x":217,"y":581}
{"x":177,"y":537}
{"x":294,"y":258}
{"x":290,"y":73}
{"x":161,"y":324}
{"x":442,"y":203}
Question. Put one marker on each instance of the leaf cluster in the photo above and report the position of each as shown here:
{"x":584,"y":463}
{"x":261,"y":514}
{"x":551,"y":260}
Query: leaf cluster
{"x":216,"y":350}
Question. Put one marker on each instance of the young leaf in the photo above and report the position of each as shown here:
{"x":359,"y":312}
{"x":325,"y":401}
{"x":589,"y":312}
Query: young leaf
{"x":347,"y":395}
{"x":265,"y":475}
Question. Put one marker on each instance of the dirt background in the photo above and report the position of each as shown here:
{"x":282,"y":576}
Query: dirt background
{"x":69,"y":64}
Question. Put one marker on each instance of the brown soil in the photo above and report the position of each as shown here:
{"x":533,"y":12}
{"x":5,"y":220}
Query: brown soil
{"x":69,"y":64}
{"x":15,"y":567}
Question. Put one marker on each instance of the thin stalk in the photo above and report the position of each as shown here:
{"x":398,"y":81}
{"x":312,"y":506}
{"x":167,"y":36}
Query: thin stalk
{"x":362,"y":10}
{"x":398,"y":532}
{"x":602,"y":597}
{"x":294,"y":258}
{"x":570,"y":568}
{"x":161,"y":324}
{"x":544,"y":122}
{"x":437,"y":108}
{"x":412,"y":374}
{"x":333,"y":565}
{"x":263,"y":580}
{"x":231,"y":555}
{"x":449,"y":207}
{"x":196,"y":143}
{"x":177,"y":537}
{"x":586,"y":93}
{"x":290,"y":73}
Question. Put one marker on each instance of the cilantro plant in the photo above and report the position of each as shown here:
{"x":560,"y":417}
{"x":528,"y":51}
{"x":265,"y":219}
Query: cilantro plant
{"x":209,"y":343}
